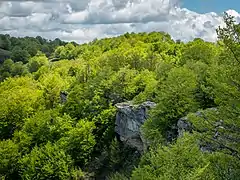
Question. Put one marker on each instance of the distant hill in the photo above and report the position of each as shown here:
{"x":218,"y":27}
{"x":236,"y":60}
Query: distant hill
{"x":4,"y":54}
{"x":22,"y":48}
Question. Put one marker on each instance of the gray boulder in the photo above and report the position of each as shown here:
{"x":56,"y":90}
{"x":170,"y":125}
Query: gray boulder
{"x":63,"y":97}
{"x":184,"y":124}
{"x":129,"y":119}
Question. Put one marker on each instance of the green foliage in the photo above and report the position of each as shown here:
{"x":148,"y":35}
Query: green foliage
{"x":175,"y":99}
{"x":104,"y":131}
{"x":4,"y":55}
{"x":28,"y":46}
{"x":183,"y":160}
{"x":36,"y":62}
{"x":85,"y":102}
{"x":117,"y":176}
{"x":224,"y":166}
{"x":19,"y":54}
{"x":47,"y":162}
{"x":219,"y":129}
{"x":19,"y":99}
{"x":57,"y":106}
{"x":11,"y":69}
{"x":65,"y":52}
{"x":43,"y":127}
{"x":198,"y":50}
{"x":5,"y":42}
{"x":122,"y":158}
{"x":115,"y":160}
{"x":8,"y":160}
{"x":53,"y":84}
{"x":229,"y":35}
{"x":79,"y":142}
{"x":203,"y":92}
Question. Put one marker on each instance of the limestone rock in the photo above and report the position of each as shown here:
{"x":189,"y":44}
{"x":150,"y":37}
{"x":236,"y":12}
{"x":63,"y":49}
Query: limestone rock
{"x":184,"y":124}
{"x":63,"y":96}
{"x":129,"y":119}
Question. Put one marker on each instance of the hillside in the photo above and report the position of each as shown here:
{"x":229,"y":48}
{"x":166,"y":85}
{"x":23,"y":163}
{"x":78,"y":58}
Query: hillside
{"x":22,"y":48}
{"x":4,"y":54}
{"x":58,"y":108}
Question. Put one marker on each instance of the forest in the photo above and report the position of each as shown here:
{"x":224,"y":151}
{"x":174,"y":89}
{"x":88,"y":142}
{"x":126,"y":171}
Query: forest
{"x":44,"y":136}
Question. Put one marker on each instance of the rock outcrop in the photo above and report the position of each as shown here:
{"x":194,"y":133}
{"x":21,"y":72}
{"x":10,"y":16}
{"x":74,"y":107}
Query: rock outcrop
{"x":129,"y":119}
{"x":215,"y":138}
{"x":184,"y":124}
{"x":63,"y":97}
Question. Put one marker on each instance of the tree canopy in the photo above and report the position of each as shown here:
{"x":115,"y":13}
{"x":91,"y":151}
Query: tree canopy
{"x":57,"y":112}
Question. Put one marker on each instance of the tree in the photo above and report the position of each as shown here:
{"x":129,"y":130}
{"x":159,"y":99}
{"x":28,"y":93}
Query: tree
{"x":53,"y":84}
{"x":218,"y":129}
{"x":45,"y":137}
{"x":11,"y":69}
{"x":6,"y":69}
{"x":36,"y":62}
{"x":65,"y":52}
{"x":198,"y":50}
{"x":19,"y":54}
{"x":19,"y":69}
{"x":41,"y":40}
{"x":224,"y":83}
{"x":47,"y":162}
{"x":85,"y":101}
{"x":9,"y":160}
{"x":19,"y":99}
{"x":5,"y":42}
{"x":183,"y":160}
{"x":44,"y":126}
{"x":32,"y":48}
{"x":230,"y":36}
{"x":79,"y":142}
{"x":175,"y":99}
{"x":104,"y":131}
{"x":46,"y":49}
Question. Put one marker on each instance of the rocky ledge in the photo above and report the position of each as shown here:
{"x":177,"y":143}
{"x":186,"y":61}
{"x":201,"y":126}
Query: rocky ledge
{"x":129,"y":119}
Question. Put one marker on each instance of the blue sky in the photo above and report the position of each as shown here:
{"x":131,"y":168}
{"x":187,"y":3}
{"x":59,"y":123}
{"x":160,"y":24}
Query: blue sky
{"x":218,"y":6}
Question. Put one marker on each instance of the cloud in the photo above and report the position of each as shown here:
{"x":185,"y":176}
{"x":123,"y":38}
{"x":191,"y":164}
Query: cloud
{"x":123,"y":11}
{"x":85,"y":20}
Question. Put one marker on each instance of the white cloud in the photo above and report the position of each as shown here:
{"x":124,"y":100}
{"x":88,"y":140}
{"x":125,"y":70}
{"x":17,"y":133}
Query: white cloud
{"x":84,"y":20}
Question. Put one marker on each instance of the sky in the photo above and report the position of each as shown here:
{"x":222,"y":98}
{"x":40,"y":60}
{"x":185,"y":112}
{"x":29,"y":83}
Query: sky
{"x":218,"y":6}
{"x":85,"y":20}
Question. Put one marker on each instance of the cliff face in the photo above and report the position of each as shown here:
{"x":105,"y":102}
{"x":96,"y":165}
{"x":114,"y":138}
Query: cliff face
{"x":129,"y":119}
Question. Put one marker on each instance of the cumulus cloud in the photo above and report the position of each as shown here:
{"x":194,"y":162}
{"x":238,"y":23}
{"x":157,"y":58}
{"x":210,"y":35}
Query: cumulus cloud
{"x":85,"y":20}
